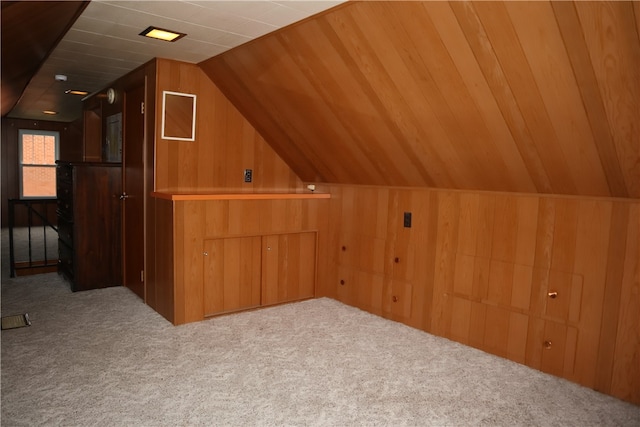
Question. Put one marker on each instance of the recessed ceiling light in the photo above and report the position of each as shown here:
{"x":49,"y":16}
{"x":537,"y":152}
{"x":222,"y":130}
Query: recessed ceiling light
{"x":50,"y":113}
{"x":76,"y":92}
{"x":162,"y":34}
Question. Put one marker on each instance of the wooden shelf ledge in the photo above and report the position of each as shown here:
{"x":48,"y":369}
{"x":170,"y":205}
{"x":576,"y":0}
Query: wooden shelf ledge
{"x":237,"y":196}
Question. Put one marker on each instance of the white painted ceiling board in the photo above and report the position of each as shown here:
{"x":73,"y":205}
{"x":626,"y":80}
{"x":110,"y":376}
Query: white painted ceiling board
{"x":104,"y":43}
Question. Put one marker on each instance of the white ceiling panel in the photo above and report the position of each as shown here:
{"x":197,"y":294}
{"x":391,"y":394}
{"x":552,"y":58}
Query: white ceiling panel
{"x":104,"y":43}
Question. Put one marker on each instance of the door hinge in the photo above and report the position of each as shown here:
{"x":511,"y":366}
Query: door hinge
{"x":142,"y":107}
{"x":142,"y":275}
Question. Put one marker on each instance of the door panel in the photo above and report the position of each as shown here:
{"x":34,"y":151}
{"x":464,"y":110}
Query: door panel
{"x":133,"y":189}
{"x":288,"y":267}
{"x":231,"y":274}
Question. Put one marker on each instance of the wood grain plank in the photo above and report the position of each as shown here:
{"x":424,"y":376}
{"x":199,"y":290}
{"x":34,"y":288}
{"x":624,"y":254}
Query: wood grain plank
{"x":496,"y":331}
{"x":179,"y":315}
{"x":616,"y":63}
{"x":477,"y":324}
{"x":453,"y":38}
{"x":586,"y":80}
{"x":626,"y":365}
{"x":216,"y":218}
{"x":542,"y":45}
{"x":500,"y":32}
{"x":487,"y":58}
{"x":517,"y":338}
{"x":270,"y":269}
{"x":192,"y":259}
{"x":500,"y":283}
{"x":460,"y":320}
{"x":469,"y":133}
{"x":430,"y":261}
{"x":484,"y":245}
{"x":591,"y":257}
{"x":505,"y":229}
{"x":612,"y":293}
{"x":527,"y":220}
{"x":315,"y":64}
{"x":305,"y":283}
{"x":468,"y":224}
{"x":447,"y":205}
{"x":418,"y":116}
{"x":564,"y":235}
{"x":407,"y":167}
{"x":214,"y":277}
{"x":463,"y":275}
{"x":521,"y":289}
{"x":543,"y":256}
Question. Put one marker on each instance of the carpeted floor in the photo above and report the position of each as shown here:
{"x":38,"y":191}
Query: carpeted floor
{"x":103,"y":358}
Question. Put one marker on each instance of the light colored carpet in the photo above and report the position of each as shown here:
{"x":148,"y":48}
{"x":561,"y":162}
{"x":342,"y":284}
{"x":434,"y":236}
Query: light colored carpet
{"x":103,"y":358}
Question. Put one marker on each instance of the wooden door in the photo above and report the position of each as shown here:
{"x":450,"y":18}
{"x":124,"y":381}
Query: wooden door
{"x":288,"y":267}
{"x":231,"y":274}
{"x":133,"y":192}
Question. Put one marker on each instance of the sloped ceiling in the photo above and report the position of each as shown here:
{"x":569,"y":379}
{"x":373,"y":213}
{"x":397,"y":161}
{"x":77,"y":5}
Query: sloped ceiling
{"x":532,"y":97}
{"x":30,"y":30}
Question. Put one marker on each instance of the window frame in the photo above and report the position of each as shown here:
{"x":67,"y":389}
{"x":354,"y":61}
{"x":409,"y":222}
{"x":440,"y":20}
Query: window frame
{"x":21,"y":165}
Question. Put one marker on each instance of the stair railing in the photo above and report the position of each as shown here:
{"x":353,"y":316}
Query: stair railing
{"x":42,"y":215}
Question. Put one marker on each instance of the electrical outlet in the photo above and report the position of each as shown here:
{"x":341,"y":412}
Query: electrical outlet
{"x":248,"y":175}
{"x":407,"y":219}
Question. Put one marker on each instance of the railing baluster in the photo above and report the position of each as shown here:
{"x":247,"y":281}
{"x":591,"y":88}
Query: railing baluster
{"x":29,"y":222}
{"x":31,"y":206}
{"x":44,"y":235}
{"x":12,"y":259}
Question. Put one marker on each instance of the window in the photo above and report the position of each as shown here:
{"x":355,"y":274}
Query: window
{"x":38,"y":155}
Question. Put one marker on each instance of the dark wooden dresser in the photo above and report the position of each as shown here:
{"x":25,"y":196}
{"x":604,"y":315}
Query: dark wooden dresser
{"x":89,"y":224}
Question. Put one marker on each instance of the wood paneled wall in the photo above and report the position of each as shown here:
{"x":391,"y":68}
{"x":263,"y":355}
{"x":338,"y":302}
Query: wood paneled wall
{"x":537,"y":97}
{"x":226,"y":143}
{"x":482,"y":268}
{"x":70,"y":147}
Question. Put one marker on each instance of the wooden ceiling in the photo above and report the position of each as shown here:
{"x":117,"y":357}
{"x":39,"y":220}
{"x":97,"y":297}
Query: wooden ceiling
{"x":30,"y":31}
{"x":535,"y":97}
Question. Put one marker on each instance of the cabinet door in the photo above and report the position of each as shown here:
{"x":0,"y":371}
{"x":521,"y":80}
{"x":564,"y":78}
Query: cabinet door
{"x":551,"y":347}
{"x":97,"y":230}
{"x":396,"y":302}
{"x":231,"y":274}
{"x":288,"y":267}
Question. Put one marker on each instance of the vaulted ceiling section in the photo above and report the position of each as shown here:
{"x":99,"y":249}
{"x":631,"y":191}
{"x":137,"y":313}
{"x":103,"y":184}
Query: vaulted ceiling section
{"x":30,"y":31}
{"x":532,"y":97}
